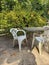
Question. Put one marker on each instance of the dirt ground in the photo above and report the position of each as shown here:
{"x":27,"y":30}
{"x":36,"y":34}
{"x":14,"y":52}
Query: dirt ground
{"x":12,"y":56}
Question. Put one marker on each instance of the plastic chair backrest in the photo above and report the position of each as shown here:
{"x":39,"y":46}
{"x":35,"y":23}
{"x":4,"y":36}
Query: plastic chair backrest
{"x":24,"y":33}
{"x":46,"y":34}
{"x":13,"y":32}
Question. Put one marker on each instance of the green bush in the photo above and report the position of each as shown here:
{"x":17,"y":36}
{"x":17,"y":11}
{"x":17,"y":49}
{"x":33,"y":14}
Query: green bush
{"x":24,"y":13}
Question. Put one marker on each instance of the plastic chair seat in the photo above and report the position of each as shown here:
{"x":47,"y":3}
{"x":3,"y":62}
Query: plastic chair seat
{"x":39,"y":39}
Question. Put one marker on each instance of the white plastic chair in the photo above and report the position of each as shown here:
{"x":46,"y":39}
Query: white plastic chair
{"x":20,"y":38}
{"x":42,"y":39}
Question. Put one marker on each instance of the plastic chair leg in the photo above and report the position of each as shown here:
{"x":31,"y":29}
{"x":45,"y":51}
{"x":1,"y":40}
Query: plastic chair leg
{"x":48,"y":47}
{"x":40,"y":47}
{"x":19,"y":45}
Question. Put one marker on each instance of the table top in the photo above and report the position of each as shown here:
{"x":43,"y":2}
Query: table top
{"x":35,"y":29}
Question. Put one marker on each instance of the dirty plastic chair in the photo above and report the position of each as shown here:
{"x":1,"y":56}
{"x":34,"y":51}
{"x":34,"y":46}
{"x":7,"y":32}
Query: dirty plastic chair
{"x":20,"y":38}
{"x":42,"y":39}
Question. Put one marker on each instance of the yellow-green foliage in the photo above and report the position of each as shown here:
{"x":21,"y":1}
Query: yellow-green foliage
{"x":23,"y":13}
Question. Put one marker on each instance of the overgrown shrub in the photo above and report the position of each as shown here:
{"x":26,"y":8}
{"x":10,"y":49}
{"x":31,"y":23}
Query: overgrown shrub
{"x":24,"y":13}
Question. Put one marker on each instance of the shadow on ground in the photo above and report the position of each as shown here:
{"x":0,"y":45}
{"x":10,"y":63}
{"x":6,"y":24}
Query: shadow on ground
{"x":11,"y":56}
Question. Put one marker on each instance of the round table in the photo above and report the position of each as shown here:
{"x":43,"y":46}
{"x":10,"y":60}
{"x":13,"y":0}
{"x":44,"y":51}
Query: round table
{"x":36,"y":30}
